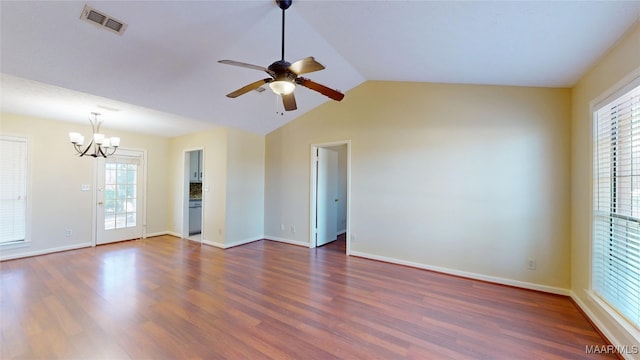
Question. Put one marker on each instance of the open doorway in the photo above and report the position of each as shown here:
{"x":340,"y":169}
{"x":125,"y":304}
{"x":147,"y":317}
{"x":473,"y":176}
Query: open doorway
{"x":192,"y":195}
{"x":330,"y":189}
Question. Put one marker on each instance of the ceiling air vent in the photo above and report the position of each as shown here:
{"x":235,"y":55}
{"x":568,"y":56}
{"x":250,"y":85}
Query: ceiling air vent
{"x":102,"y":20}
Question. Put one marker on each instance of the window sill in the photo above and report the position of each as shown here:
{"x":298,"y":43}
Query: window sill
{"x":15,"y":245}
{"x":621,"y":320}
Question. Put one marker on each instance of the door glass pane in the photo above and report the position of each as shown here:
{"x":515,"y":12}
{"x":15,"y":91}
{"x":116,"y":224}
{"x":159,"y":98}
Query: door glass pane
{"x":131,"y":219}
{"x":120,"y":195}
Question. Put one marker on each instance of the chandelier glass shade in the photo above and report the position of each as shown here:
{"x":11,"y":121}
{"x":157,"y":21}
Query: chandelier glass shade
{"x":100,"y":146}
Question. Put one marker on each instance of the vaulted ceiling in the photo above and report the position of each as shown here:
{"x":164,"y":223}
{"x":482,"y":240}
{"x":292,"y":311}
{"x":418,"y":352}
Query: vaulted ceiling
{"x":161,"y":76}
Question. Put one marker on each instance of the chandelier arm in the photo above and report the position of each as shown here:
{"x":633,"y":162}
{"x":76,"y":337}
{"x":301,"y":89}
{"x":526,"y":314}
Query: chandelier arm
{"x":95,"y":122}
{"x":77,"y":148}
{"x":86,"y":149}
{"x":113,"y":151}
{"x":100,"y":152}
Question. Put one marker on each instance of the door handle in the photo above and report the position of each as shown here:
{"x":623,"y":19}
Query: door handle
{"x":100,"y":203}
{"x":336,"y":200}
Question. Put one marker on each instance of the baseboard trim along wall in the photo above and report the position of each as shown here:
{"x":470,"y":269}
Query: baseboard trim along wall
{"x":287,"y":241}
{"x":470,"y":275}
{"x":232,"y":244}
{"x":213,"y":243}
{"x":46,"y":251}
{"x":161,"y":233}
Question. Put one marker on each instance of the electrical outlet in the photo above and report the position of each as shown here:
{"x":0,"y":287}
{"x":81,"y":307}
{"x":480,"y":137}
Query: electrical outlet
{"x":281,"y":227}
{"x":293,"y":229}
{"x":68,"y":233}
{"x":532,"y":264}
{"x":353,"y":237}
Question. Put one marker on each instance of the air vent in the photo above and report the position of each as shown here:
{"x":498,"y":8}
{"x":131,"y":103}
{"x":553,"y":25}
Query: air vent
{"x":102,"y":20}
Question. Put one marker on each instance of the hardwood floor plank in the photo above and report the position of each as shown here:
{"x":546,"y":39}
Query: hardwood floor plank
{"x":169,"y":298}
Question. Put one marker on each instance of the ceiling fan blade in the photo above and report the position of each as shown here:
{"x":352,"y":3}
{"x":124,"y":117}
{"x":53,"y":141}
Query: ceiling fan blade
{"x":245,"y":89}
{"x":244,"y":65}
{"x":333,"y":94}
{"x":289,"y":102}
{"x":306,"y":65}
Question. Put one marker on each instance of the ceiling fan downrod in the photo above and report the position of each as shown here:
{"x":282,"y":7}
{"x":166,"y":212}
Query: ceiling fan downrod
{"x":284,"y":5}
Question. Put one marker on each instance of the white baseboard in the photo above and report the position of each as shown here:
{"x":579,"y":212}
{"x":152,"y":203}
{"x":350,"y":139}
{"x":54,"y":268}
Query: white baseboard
{"x":288,"y":241}
{"x":213,"y":243}
{"x":470,"y":275}
{"x":160,"y":233}
{"x":596,"y":320}
{"x":233,"y":244}
{"x":242,"y":242}
{"x":46,"y":251}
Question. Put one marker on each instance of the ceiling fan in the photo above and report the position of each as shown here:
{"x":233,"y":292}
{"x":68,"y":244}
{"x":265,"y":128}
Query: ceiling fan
{"x":285,"y":75}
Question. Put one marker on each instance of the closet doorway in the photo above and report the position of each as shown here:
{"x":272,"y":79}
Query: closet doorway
{"x":330,"y":194}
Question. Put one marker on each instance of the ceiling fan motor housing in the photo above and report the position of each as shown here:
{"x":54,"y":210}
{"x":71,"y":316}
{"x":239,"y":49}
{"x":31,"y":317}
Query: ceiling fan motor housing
{"x":284,"y":4}
{"x":281,"y":71}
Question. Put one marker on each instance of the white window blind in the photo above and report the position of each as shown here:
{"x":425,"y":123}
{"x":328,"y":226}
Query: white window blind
{"x":13,"y":189}
{"x":616,"y":217}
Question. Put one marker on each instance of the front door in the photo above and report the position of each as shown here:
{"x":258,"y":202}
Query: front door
{"x":120,"y":197}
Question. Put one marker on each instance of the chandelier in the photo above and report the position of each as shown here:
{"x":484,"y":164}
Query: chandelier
{"x":99,"y":145}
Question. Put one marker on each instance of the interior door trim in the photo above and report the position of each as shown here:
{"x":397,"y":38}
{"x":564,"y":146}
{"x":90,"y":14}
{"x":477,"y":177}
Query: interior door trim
{"x":313,"y":190}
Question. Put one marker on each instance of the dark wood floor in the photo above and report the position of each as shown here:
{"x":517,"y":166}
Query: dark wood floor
{"x":167,"y":298}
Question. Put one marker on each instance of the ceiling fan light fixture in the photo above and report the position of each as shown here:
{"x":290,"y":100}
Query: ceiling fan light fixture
{"x":282,"y":87}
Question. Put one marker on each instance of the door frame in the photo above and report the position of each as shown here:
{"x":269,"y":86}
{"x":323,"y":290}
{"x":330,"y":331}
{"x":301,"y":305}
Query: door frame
{"x":313,"y":189}
{"x":184,"y":233}
{"x":94,"y":196}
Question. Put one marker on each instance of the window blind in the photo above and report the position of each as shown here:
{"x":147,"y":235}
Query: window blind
{"x":616,"y":217}
{"x":13,"y":189}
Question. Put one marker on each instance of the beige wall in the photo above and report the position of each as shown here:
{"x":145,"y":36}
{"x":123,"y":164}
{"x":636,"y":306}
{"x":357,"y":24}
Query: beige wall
{"x":245,"y":187}
{"x":622,"y":60}
{"x":234,"y":174}
{"x":57,"y":174}
{"x":233,"y":206}
{"x":473,"y":179}
{"x":214,"y":145}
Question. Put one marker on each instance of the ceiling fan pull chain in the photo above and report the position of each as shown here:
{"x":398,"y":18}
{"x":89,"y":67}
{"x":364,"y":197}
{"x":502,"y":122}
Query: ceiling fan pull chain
{"x":278,"y":106}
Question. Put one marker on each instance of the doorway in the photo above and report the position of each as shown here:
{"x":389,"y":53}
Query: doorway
{"x":330,"y":194}
{"x":192,"y":204}
{"x":120,"y":196}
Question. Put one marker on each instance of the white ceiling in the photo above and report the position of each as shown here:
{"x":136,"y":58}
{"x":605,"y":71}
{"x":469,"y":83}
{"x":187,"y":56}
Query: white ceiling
{"x":163,"y":77}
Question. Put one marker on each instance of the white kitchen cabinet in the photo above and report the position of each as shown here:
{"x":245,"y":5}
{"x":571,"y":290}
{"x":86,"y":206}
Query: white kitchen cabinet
{"x":195,"y":167}
{"x":195,"y":217}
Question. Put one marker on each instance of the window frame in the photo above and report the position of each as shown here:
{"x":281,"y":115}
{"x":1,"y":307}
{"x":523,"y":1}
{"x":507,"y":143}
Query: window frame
{"x":626,"y":84}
